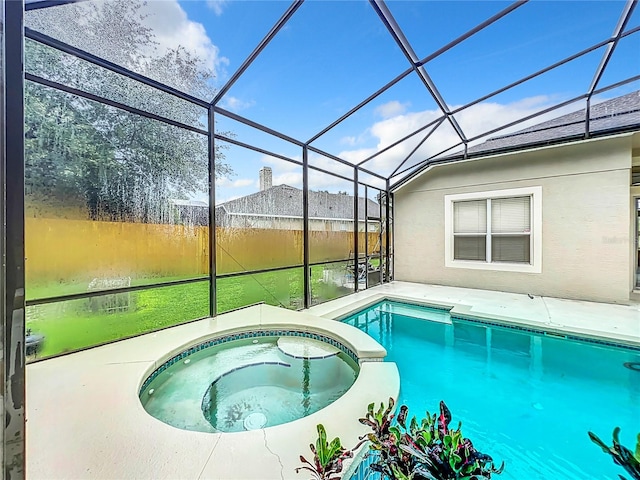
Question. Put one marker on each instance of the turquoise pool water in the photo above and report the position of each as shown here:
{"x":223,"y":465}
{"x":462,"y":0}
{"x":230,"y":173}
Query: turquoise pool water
{"x":246,"y":385}
{"x":524,"y":398}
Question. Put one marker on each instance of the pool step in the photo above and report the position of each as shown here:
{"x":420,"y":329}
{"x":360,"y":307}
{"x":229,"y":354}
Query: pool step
{"x":418,"y":312}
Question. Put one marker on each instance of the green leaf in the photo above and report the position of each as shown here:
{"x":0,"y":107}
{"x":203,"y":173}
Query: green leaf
{"x":321,"y":446}
{"x":595,"y":439}
{"x":413,"y":425}
{"x":426,"y":435}
{"x":398,"y":475}
{"x":334,"y":449}
{"x":395,"y":431}
{"x":616,"y":436}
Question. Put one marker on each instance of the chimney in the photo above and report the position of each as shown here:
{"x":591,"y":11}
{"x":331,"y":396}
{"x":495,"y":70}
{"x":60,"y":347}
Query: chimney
{"x":266,"y":179}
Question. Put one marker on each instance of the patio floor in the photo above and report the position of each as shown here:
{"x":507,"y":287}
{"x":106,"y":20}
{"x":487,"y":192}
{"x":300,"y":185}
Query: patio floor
{"x":620,"y":323}
{"x":84,"y":419}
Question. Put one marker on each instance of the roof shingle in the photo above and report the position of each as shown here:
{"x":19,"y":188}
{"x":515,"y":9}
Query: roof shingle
{"x":283,"y":200}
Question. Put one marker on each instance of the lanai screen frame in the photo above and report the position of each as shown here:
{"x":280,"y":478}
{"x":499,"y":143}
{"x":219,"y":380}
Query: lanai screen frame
{"x":12,"y":161}
{"x":417,"y":67}
{"x":213,"y":110}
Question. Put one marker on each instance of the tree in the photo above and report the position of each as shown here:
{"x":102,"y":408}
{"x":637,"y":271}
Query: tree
{"x":118,"y":165}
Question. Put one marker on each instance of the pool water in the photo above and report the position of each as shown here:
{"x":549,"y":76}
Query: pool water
{"x":524,"y":398}
{"x":245,"y":385}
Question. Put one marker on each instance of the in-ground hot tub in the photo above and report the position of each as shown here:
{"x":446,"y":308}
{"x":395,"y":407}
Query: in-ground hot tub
{"x":130,"y":443}
{"x":249,"y":381}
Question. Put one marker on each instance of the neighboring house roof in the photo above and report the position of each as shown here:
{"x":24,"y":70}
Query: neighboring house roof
{"x":286,"y":201}
{"x":188,"y":203}
{"x":191,"y":212}
{"x":609,"y":116}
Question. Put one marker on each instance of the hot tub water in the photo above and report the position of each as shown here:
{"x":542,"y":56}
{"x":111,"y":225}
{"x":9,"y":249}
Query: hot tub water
{"x":242,"y":385}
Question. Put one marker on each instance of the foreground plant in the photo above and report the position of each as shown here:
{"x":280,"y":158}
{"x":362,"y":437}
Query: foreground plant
{"x":621,"y":455}
{"x":327,"y":457}
{"x":427,"y":450}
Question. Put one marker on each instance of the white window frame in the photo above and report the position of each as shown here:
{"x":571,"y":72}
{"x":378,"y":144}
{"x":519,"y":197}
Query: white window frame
{"x":535,"y":265}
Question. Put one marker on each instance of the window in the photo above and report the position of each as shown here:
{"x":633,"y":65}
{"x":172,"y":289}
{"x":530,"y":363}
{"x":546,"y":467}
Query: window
{"x":499,"y":230}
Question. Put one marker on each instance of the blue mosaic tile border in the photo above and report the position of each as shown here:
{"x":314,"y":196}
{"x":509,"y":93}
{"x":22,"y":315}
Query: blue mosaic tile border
{"x":545,"y":333}
{"x":243,"y":336}
{"x":279,"y":364}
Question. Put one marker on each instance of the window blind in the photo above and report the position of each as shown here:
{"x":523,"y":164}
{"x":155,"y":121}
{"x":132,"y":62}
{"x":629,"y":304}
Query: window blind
{"x":470,"y":216}
{"x":511,"y":248}
{"x":470,"y":248}
{"x":511,"y":215}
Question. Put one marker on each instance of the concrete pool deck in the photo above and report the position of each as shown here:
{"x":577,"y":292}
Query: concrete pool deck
{"x":617,"y":323}
{"x":84,"y":419}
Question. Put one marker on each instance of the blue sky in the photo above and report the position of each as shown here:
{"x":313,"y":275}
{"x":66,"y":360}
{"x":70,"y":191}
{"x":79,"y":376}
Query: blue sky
{"x":333,"y":54}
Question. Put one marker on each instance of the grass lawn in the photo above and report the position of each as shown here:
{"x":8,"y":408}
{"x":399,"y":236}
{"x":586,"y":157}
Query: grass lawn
{"x":75,"y":324}
{"x":55,"y":289}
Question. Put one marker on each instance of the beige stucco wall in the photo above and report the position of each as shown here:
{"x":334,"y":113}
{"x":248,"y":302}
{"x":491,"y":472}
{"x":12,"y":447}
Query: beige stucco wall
{"x":585,"y":220}
{"x":633,"y":246}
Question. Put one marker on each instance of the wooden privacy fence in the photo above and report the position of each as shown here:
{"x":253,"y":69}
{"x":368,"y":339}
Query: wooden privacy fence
{"x":61,"y":250}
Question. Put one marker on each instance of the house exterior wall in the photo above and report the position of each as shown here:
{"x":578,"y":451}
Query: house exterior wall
{"x":634,"y":244}
{"x":585,"y":220}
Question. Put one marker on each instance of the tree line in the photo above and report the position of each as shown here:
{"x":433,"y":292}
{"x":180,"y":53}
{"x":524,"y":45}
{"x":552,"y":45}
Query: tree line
{"x":117,"y":165}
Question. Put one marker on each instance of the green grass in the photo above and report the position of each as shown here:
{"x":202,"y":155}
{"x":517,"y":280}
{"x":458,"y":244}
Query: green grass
{"x":374,"y":262}
{"x":75,"y":324}
{"x":37,"y":290}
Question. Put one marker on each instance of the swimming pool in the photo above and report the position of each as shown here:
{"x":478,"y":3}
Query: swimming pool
{"x":523,"y":397}
{"x":248,"y":384}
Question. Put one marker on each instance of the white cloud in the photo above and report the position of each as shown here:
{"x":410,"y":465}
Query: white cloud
{"x":391,"y":109}
{"x":217,"y":6}
{"x":240,"y":183}
{"x":279,"y":164}
{"x":358,"y":155}
{"x":293,"y":179}
{"x":172,"y":27}
{"x":325,"y":182}
{"x":352,"y":141}
{"x":331,"y":165}
{"x":287,"y":173}
{"x":487,"y":116}
{"x":284,"y":173}
{"x":169,"y":25}
{"x":319,"y":181}
{"x":227,"y":199}
{"x":474,"y":120}
{"x":388,"y":131}
{"x":235,"y":104}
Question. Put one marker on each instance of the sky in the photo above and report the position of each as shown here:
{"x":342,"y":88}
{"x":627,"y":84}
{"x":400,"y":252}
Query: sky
{"x":333,"y":54}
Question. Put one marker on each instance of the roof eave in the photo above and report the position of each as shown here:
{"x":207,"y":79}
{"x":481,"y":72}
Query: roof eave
{"x":520,"y":148}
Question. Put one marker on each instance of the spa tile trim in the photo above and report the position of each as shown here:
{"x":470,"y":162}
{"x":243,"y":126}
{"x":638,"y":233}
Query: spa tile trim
{"x":546,"y":333}
{"x":243,"y":336}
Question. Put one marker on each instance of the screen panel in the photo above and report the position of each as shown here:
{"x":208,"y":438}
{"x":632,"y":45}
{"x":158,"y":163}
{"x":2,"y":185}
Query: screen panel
{"x":259,"y":221}
{"x":281,"y":288}
{"x":113,"y":194}
{"x":73,"y":325}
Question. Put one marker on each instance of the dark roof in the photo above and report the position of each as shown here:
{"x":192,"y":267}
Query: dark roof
{"x":608,"y":116}
{"x":620,"y":114}
{"x":283,"y":200}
